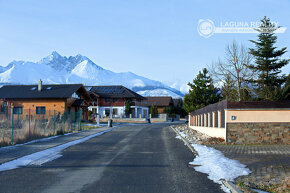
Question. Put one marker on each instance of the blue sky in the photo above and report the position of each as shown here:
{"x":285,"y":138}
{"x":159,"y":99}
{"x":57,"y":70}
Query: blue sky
{"x":155,"y":39}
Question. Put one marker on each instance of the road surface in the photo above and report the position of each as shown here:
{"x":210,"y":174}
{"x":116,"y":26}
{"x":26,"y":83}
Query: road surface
{"x":133,"y":158}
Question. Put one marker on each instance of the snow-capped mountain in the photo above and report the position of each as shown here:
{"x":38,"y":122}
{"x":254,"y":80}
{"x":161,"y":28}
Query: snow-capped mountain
{"x":57,"y":69}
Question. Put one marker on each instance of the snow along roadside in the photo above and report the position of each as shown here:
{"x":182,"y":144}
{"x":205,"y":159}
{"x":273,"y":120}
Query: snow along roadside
{"x":218,"y":167}
{"x":46,"y":155}
{"x":212,"y":162}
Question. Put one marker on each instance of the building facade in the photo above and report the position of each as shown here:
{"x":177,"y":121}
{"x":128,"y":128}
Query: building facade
{"x":161,"y":102}
{"x":44,"y":101}
{"x":110,"y":102}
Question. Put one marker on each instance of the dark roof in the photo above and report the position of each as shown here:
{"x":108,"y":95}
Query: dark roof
{"x":31,"y":91}
{"x":258,"y":104}
{"x":177,"y":102}
{"x":113,"y":92}
{"x":78,"y":102}
{"x":243,"y":105}
{"x":160,"y":101}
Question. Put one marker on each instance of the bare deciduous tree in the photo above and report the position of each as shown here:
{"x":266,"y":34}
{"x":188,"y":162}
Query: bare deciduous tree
{"x":234,"y":66}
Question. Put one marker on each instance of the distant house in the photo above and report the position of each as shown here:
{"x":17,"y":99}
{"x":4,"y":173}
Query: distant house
{"x":109,"y":101}
{"x":177,"y":102}
{"x":44,"y":100}
{"x":161,"y":102}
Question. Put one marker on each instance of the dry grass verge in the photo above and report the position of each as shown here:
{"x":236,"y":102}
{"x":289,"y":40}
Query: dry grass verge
{"x":24,"y":130}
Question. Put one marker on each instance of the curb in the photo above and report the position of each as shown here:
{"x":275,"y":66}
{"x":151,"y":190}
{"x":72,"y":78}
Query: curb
{"x":231,"y":186}
{"x":185,"y":141}
{"x":228,"y":184}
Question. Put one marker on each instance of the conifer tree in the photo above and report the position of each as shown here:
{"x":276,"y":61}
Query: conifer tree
{"x":286,"y":89}
{"x":127,"y":107}
{"x":268,"y":63}
{"x":153,"y":110}
{"x":201,"y":93}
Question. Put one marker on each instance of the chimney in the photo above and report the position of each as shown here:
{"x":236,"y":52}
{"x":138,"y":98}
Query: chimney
{"x":39,"y":85}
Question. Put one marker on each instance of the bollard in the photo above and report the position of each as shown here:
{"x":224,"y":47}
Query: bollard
{"x":110,"y":123}
{"x":29,"y":123}
{"x":148,"y":120}
{"x":98,"y":120}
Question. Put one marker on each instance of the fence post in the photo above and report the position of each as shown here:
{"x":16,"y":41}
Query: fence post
{"x":80,"y":119}
{"x":42,"y":124}
{"x":74,"y":120}
{"x":70,"y":114}
{"x":48,"y":122}
{"x":12,"y":126}
{"x":29,"y":123}
{"x":77,"y":120}
{"x":54,"y":122}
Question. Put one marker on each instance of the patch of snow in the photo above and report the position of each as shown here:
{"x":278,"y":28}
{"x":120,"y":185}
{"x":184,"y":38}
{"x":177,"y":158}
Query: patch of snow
{"x":178,"y":85}
{"x":138,"y":83}
{"x":158,"y":92}
{"x":216,"y":165}
{"x":47,"y":155}
{"x":182,"y":134}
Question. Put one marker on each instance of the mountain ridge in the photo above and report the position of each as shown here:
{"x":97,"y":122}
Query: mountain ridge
{"x":58,"y":69}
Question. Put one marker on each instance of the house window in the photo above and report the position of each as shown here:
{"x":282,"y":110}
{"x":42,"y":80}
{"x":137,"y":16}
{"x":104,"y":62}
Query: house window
{"x":107,"y":100}
{"x":40,"y":110}
{"x":115,"y":111}
{"x":107,"y":112}
{"x":115,"y":100}
{"x":17,"y":110}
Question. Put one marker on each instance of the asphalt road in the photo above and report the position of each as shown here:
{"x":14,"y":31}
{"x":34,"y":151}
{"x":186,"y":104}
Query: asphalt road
{"x":137,"y":158}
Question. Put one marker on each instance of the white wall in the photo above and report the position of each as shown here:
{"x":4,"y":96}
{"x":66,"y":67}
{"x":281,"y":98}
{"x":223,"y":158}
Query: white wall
{"x":121,"y":110}
{"x":213,"y":132}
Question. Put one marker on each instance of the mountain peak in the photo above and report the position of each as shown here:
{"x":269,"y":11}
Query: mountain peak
{"x":52,"y":57}
{"x":80,"y":57}
{"x":55,"y":54}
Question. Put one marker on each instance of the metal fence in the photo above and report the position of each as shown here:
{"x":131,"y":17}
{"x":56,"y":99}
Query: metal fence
{"x":22,"y":125}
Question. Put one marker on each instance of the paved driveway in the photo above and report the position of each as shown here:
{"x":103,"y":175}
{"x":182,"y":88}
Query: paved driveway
{"x":269,"y":163}
{"x":137,"y":158}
